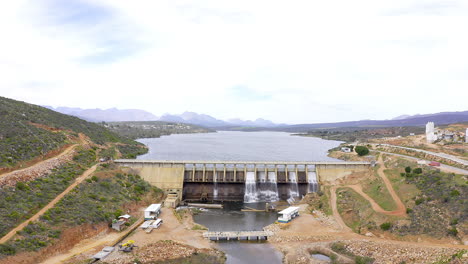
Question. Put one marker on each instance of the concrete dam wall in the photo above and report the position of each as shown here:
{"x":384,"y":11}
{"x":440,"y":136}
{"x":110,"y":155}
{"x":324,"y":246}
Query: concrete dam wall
{"x":241,"y":181}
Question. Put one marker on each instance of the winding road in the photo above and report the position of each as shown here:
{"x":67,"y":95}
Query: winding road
{"x":400,"y":211}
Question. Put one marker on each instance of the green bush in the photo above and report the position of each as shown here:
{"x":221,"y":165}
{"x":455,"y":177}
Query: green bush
{"x":452,"y":231}
{"x":362,"y":150}
{"x":419,"y":201}
{"x":363,"y":260}
{"x":7,"y":249}
{"x":408,"y":169}
{"x":386,"y":226}
{"x":417,"y":170}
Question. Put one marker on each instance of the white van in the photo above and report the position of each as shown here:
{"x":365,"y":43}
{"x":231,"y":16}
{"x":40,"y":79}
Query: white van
{"x":157,"y":223}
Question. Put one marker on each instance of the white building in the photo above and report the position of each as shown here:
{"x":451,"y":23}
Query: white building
{"x":152,"y":212}
{"x":346,"y":149}
{"x":430,"y":136}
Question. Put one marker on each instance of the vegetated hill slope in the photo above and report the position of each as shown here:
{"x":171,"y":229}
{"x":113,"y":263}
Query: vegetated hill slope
{"x":21,"y":138}
{"x":443,"y":118}
{"x":153,"y":129}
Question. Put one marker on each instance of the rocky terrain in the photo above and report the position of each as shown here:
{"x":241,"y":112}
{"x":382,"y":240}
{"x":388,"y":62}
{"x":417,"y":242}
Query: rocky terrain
{"x":162,"y":251}
{"x":39,"y":170}
{"x":394,"y":252}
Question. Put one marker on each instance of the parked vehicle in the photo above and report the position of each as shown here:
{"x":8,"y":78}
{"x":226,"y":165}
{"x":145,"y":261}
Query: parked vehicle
{"x":157,"y":223}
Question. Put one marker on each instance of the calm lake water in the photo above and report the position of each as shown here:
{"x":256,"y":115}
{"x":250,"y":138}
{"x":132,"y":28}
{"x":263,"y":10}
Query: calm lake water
{"x":239,"y":146}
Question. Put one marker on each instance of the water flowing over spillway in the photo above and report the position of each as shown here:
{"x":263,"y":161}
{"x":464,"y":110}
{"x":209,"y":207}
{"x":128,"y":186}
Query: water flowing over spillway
{"x":267,"y":187}
{"x":215,"y":187}
{"x":294,"y":188}
{"x":266,"y":190}
{"x":312,"y":184}
{"x":250,"y":194}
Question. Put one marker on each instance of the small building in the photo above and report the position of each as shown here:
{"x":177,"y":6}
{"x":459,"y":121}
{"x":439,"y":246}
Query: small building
{"x":411,"y":134}
{"x":288,"y":214}
{"x":346,"y":149}
{"x":172,"y":200}
{"x":448,"y":136}
{"x":152,"y":212}
{"x":118,"y":224}
{"x":125,"y":217}
{"x":422,"y":162}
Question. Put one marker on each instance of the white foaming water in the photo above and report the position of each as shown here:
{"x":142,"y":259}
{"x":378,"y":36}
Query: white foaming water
{"x":312,"y":184}
{"x":274,"y":196}
{"x":261,"y":176}
{"x":265,"y":191}
{"x":250,"y":194}
{"x":294,"y":188}
{"x":215,"y":187}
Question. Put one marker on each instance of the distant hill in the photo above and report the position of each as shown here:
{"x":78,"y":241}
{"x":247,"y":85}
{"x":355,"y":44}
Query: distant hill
{"x":193,"y":118}
{"x":153,"y":129}
{"x":442,"y":118}
{"x":28,"y":131}
{"x":107,"y":115}
{"x":209,"y":121}
{"x":124,"y":115}
{"x":401,"y":117}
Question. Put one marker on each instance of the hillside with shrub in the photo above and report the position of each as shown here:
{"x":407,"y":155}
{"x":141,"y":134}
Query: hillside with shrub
{"x":18,"y":203}
{"x":28,"y":131}
{"x":106,"y":195}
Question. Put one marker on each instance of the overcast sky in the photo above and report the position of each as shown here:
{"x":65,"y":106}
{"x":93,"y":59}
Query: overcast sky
{"x":287,"y":61}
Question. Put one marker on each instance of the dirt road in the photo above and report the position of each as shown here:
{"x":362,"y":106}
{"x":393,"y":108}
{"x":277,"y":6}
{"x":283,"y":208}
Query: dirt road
{"x":334,"y":207}
{"x":376,"y":207}
{"x":50,"y":205}
{"x":401,"y":209}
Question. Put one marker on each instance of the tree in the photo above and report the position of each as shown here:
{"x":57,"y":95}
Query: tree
{"x":361,"y":150}
{"x":417,"y":170}
{"x":408,"y":169}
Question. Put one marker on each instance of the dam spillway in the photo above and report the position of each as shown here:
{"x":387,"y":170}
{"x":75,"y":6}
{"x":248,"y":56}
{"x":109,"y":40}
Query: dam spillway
{"x":247,"y":181}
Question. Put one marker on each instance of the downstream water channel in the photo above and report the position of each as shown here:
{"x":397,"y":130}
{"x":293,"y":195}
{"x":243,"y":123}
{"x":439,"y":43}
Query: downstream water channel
{"x":239,"y":146}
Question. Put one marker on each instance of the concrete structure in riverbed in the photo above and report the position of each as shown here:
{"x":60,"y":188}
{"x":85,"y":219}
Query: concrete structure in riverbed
{"x":226,"y":180}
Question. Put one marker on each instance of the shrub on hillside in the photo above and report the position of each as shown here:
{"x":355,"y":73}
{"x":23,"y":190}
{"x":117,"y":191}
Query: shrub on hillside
{"x":25,"y":199}
{"x":362,"y":150}
{"x":386,"y":226}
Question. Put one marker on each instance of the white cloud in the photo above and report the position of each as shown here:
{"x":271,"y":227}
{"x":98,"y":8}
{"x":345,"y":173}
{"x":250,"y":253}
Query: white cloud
{"x":300,"y":61}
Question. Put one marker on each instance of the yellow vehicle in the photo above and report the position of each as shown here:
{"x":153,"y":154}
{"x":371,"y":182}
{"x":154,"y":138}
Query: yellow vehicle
{"x":127,"y":246}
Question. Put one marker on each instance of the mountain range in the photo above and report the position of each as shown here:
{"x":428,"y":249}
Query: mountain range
{"x":119,"y":115}
{"x":107,"y":115}
{"x":115,"y":115}
{"x":443,"y":118}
